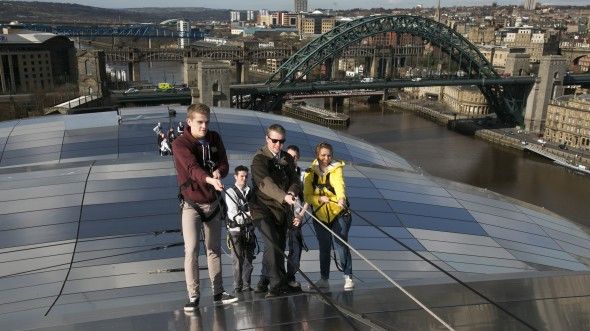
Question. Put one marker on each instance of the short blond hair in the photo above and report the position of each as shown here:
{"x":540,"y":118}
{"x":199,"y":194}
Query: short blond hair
{"x":199,"y":108}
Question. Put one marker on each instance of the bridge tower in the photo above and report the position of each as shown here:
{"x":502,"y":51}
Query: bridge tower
{"x":549,"y":86}
{"x":518,"y":64}
{"x":213,"y":84}
{"x":92,"y":74}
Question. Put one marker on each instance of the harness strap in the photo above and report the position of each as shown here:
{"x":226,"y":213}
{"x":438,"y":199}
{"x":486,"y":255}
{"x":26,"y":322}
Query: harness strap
{"x":200,"y":211}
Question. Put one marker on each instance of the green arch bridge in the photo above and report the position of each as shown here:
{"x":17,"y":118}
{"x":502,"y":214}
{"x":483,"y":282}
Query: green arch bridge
{"x":506,"y":96}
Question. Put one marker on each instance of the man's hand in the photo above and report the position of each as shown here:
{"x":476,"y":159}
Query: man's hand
{"x":342,"y":203}
{"x":216,"y":183}
{"x":324,"y":199}
{"x":297,"y":220}
{"x":216,"y":174}
{"x":290,"y":199}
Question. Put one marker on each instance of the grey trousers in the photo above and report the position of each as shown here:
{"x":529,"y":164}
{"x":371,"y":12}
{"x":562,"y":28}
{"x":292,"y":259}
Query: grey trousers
{"x":242,"y":255}
{"x":191,"y":230}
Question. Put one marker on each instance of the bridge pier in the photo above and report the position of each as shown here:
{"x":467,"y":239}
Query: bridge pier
{"x":375,"y":66}
{"x":334,"y":70}
{"x":134,"y":71}
{"x":242,"y":71}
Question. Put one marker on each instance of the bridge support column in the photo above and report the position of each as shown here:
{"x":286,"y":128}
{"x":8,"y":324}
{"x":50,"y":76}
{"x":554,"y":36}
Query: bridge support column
{"x":367,"y":67}
{"x":517,"y":64}
{"x":327,"y":66}
{"x":388,"y":66}
{"x":551,"y":73}
{"x":242,"y":71}
{"x":334,"y":75}
{"x":336,"y":103}
{"x":92,"y":74}
{"x":374,"y":66}
{"x":245,"y":72}
{"x":134,"y":72}
{"x":213,"y":81}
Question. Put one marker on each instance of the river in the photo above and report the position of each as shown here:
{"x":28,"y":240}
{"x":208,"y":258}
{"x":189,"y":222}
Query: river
{"x":447,"y":154}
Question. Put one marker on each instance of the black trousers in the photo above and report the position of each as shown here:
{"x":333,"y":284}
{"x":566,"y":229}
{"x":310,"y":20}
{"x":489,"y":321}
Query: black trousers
{"x":273,"y":259}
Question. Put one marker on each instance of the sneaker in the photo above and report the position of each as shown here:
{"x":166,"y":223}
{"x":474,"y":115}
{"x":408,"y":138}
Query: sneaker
{"x":348,"y":283}
{"x":192,"y":305}
{"x":224,"y":298}
{"x":294,"y":283}
{"x":247,"y":289}
{"x":322,"y":283}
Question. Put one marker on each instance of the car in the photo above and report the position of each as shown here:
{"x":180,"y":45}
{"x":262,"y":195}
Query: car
{"x":563,"y":146}
{"x":541,"y":141}
{"x":524,"y":143}
{"x":417,"y":79}
{"x":131,"y":90}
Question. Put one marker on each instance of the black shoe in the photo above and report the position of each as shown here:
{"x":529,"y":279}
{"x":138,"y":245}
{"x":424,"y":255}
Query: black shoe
{"x":261,"y":287}
{"x":238,"y":290}
{"x":192,"y":305}
{"x":272,"y":293}
{"x":224,"y":298}
{"x":247,"y":289}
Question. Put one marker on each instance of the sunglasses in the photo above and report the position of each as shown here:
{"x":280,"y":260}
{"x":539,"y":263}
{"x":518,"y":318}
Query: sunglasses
{"x":274,"y":141}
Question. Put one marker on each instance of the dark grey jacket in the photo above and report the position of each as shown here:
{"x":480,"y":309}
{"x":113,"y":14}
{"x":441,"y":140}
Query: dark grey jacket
{"x":271,"y":180}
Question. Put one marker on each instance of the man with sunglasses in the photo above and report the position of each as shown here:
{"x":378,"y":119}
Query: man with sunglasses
{"x":275,"y":187}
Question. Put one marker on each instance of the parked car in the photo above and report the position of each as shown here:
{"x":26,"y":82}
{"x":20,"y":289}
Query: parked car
{"x":131,"y":90}
{"x":541,"y":141}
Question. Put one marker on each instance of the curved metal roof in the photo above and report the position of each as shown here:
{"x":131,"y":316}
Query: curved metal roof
{"x":86,"y":179}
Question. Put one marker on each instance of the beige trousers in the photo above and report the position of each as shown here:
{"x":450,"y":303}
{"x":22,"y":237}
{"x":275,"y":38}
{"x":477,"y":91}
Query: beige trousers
{"x":191,"y":231}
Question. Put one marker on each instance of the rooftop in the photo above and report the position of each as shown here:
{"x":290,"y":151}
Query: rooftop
{"x":87,"y":203}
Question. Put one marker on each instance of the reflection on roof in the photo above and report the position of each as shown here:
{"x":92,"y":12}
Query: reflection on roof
{"x":85,"y":181}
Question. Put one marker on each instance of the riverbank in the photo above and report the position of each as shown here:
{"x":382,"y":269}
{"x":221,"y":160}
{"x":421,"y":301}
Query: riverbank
{"x":500,"y":137}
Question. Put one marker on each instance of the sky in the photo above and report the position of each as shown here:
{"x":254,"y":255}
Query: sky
{"x":288,"y":4}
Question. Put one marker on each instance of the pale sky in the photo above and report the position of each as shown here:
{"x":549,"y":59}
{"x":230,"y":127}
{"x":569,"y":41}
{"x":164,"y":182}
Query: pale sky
{"x":288,"y":4}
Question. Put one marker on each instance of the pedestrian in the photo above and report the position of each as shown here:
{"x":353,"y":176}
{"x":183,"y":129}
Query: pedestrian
{"x":276,"y":186}
{"x":325,"y":191}
{"x":158,"y":128}
{"x":201,"y":162}
{"x":180,"y":128}
{"x":296,"y":242}
{"x":165,"y":149}
{"x":241,"y":236}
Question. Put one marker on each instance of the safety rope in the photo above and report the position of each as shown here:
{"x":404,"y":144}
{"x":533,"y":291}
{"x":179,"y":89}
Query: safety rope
{"x":418,"y":302}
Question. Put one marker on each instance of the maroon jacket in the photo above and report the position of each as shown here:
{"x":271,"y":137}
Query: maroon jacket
{"x":188,"y":160}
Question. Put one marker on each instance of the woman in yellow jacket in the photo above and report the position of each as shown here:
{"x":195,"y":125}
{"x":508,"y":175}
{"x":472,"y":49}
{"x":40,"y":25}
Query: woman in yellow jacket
{"x":325,"y":191}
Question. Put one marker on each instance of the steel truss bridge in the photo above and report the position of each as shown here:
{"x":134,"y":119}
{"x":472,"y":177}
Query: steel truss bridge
{"x":506,"y":97}
{"x":134,"y":31}
{"x":241,"y":54}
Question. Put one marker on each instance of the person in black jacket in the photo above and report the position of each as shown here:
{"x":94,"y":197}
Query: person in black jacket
{"x":276,"y":187}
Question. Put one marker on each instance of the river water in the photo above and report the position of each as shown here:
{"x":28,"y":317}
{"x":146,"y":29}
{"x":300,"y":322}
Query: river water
{"x":447,"y":154}
{"x":452,"y":156}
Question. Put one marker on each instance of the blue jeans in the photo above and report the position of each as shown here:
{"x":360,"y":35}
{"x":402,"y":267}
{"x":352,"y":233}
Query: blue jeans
{"x":340,"y":226}
{"x":294,"y":258}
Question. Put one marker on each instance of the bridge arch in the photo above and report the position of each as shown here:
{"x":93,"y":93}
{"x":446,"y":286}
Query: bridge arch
{"x":333,"y":42}
{"x":507,"y":104}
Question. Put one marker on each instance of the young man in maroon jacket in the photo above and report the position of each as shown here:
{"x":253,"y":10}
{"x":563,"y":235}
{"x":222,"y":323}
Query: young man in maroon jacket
{"x":201,"y":162}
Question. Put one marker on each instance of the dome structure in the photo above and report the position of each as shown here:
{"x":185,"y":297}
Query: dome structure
{"x":89,"y":220}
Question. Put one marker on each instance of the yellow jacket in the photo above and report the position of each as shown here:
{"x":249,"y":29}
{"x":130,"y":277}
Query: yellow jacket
{"x":325,"y":212}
